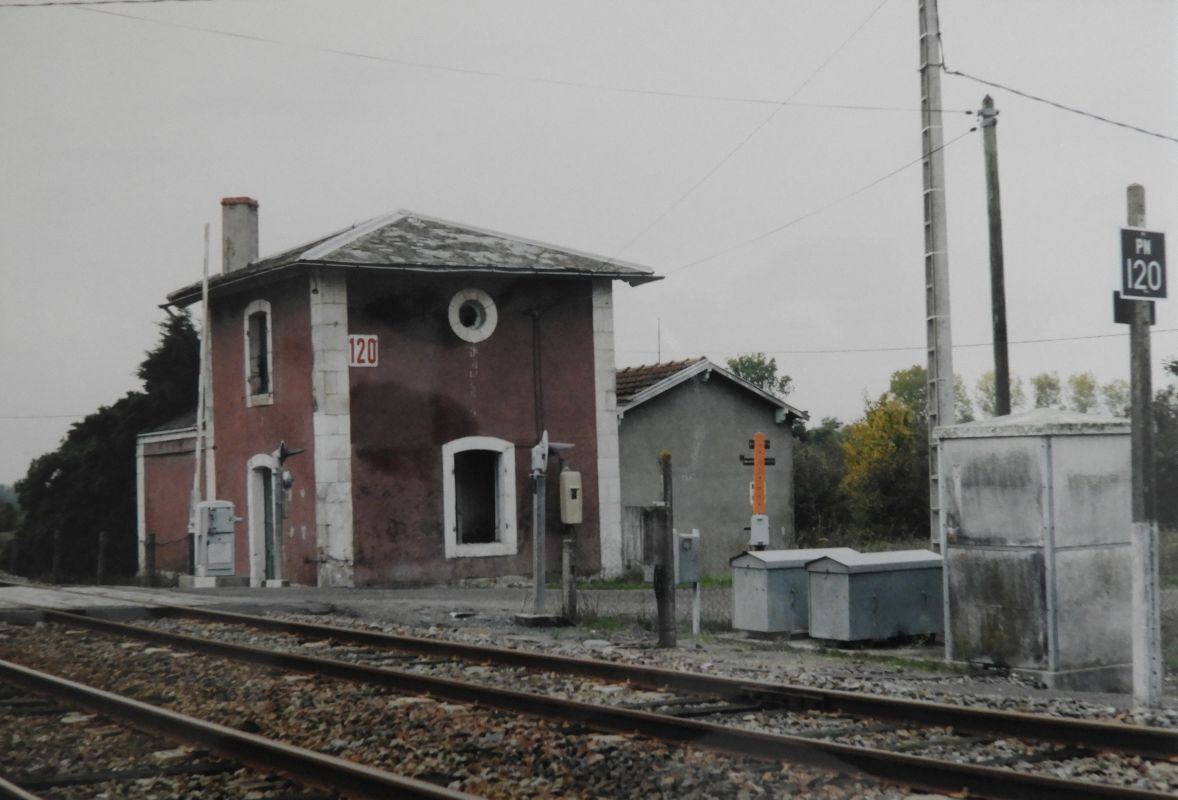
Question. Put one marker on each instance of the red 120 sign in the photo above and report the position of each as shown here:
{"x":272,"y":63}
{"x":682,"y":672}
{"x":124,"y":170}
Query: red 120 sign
{"x":363,"y":350}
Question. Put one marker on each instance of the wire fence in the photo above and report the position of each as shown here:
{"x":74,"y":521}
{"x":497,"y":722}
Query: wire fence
{"x":611,"y":608}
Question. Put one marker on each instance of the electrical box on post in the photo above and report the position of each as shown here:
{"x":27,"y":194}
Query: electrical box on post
{"x":687,"y":557}
{"x":571,"y":498}
{"x":215,"y":521}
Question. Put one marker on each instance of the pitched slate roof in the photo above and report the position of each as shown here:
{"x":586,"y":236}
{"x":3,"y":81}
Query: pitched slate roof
{"x":407,"y":241}
{"x":636,"y":385}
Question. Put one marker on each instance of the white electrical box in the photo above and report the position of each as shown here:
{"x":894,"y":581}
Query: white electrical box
{"x":687,"y":557}
{"x":758,"y":532}
{"x":215,"y":521}
{"x":571,"y":499}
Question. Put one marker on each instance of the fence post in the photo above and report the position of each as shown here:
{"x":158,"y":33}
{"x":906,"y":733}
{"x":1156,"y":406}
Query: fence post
{"x":568,"y":576}
{"x":664,"y":567}
{"x":149,"y":559}
{"x":100,"y":576}
{"x":57,"y":555}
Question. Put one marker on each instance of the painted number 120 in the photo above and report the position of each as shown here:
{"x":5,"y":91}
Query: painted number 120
{"x":1142,"y":275}
{"x":363,"y":350}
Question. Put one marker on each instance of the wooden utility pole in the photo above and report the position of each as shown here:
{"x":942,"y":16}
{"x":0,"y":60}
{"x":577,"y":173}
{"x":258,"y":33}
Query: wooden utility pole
{"x":1146,"y":637}
{"x":941,"y":398}
{"x":988,"y":117}
{"x":664,"y":565}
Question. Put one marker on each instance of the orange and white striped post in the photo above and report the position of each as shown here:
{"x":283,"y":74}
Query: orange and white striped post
{"x":759,"y":521}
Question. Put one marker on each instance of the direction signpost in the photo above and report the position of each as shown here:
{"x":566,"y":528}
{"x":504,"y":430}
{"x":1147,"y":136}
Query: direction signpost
{"x":1143,"y":279}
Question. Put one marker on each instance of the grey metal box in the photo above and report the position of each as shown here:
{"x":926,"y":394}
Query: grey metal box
{"x":687,"y":557}
{"x":875,"y":596}
{"x":770,"y":589}
{"x":1036,"y":530}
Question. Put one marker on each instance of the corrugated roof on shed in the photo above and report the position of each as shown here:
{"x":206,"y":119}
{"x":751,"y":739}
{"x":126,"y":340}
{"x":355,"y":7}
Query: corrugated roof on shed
{"x":889,"y":561}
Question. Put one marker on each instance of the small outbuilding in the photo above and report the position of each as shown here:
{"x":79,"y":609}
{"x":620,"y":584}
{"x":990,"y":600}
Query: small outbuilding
{"x":705,"y":416}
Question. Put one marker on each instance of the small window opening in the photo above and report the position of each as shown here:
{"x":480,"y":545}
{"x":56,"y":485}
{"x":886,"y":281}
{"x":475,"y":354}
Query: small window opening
{"x":472,"y":315}
{"x":259,"y":337}
{"x":476,"y":475}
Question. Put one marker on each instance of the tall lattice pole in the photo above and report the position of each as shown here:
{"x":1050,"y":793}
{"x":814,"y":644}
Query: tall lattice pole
{"x":941,"y":399}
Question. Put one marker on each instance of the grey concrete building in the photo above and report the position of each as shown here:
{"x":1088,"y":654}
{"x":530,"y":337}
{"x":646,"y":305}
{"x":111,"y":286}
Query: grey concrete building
{"x":705,"y":417}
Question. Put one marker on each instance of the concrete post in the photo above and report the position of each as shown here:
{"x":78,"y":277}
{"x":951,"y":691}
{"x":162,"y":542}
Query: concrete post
{"x":568,"y":576}
{"x":941,"y":399}
{"x":1147,"y":646}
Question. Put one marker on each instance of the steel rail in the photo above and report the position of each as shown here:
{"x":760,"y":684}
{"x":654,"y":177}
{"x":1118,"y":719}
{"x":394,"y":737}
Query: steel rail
{"x":1140,"y":740}
{"x":10,"y":791}
{"x":306,"y":766}
{"x":916,"y":771}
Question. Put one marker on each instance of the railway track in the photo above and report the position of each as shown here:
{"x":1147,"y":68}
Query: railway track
{"x":912,"y":743}
{"x":84,"y":750}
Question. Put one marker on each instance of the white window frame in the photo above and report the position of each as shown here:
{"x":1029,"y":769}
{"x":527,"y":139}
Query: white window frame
{"x":258,"y":398}
{"x":255,"y":516}
{"x":505,"y":526}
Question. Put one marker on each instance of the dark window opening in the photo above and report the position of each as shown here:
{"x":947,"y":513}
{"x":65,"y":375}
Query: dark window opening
{"x":471,"y":314}
{"x":259,"y":336}
{"x":475,"y":490}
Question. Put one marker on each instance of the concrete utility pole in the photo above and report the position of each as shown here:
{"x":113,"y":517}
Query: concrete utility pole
{"x":1147,"y":635}
{"x":989,"y":123}
{"x":941,"y":400}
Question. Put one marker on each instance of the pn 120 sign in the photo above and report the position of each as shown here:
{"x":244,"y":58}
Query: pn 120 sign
{"x":1143,"y":264}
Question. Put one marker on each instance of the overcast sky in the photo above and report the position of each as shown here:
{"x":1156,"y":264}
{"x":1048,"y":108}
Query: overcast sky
{"x":653,"y":132}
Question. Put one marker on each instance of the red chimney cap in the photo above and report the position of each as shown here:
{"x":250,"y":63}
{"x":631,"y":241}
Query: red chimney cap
{"x":239,"y":201}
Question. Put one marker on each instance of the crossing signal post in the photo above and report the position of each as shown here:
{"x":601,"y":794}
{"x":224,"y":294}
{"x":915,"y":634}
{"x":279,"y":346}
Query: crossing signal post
{"x":759,"y":521}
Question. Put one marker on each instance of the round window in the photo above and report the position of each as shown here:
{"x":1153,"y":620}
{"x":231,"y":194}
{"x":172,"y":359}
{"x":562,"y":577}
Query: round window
{"x":472,"y":315}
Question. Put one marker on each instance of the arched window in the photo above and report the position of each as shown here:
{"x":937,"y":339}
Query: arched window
{"x":259,"y":354}
{"x":478,"y":488}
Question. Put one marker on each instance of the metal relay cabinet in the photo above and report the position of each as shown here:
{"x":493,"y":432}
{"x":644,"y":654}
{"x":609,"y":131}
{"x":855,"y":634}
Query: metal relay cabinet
{"x":770,"y":589}
{"x":875,"y":596}
{"x":1035,"y":529}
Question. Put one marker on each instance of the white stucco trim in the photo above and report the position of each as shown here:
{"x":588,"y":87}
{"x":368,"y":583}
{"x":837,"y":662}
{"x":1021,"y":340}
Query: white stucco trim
{"x":332,"y":424}
{"x":255,"y":516}
{"x":258,"y":398}
{"x":505,"y":503}
{"x":609,"y":479}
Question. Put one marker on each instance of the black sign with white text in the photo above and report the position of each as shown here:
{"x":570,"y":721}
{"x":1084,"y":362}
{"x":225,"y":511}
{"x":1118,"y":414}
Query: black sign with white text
{"x":1143,"y":264}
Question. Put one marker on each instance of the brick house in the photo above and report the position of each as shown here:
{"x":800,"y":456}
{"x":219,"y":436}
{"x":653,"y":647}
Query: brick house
{"x":415,"y":362}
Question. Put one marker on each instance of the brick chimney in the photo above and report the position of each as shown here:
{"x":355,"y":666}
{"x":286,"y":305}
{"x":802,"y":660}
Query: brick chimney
{"x":239,"y":232}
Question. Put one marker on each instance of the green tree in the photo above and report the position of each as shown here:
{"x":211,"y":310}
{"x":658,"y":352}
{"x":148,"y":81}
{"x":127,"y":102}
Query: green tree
{"x":88,"y":484}
{"x":820,"y":504}
{"x":1115,"y":395}
{"x":761,"y":371}
{"x":910,"y":387}
{"x":986,"y":393}
{"x":1082,"y":388}
{"x":1047,"y":390}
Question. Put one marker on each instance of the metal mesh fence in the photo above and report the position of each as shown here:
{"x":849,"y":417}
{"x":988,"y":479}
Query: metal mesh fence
{"x":611,"y":607}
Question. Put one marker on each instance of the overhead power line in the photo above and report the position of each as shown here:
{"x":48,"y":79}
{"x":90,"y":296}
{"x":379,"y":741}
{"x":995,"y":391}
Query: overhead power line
{"x":907,"y":349}
{"x":818,"y":210}
{"x":748,"y":137}
{"x":1058,"y":105}
{"x":92,"y":3}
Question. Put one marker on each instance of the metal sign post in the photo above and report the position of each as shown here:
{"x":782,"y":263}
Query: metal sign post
{"x":1143,"y":277}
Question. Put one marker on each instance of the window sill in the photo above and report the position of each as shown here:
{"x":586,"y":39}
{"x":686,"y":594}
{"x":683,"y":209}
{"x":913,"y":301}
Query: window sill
{"x":480,"y":550}
{"x":259,"y":400}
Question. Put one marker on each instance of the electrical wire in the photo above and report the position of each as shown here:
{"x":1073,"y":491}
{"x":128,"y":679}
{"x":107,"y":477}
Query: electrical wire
{"x":848,"y":350}
{"x":820,"y":209}
{"x":748,"y":137}
{"x":1058,"y":105}
{"x":92,"y":3}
